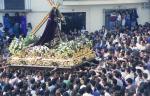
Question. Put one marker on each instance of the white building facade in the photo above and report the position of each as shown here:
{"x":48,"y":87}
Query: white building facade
{"x":95,"y":15}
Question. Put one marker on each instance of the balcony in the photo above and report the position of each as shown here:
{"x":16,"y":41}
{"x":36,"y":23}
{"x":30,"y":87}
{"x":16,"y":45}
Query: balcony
{"x":6,"y":7}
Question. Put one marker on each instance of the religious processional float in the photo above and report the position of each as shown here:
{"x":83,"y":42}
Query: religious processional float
{"x":44,"y":51}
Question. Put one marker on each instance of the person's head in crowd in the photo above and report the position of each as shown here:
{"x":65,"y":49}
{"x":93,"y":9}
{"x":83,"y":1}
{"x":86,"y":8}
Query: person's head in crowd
{"x":104,"y":80}
{"x":129,"y":81}
{"x":103,"y":27}
{"x":114,"y":82}
{"x":139,"y":71}
{"x":17,"y":14}
{"x":65,"y":94}
{"x":89,"y":89}
{"x":128,"y":70}
{"x":7,"y":15}
{"x":1,"y":25}
{"x":145,"y":76}
{"x":29,"y":25}
{"x":82,"y":91}
{"x":32,"y":80}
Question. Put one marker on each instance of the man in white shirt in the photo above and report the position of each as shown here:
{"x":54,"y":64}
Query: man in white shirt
{"x":129,"y":74}
{"x":88,"y":91}
{"x":117,"y":77}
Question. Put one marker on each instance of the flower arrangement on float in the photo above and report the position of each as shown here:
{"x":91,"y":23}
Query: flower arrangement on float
{"x":67,"y":53}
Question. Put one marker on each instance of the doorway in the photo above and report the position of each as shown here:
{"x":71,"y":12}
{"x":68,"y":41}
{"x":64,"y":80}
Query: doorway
{"x":73,"y":20}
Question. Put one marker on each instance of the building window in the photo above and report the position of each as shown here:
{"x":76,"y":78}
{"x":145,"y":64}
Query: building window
{"x":14,"y":4}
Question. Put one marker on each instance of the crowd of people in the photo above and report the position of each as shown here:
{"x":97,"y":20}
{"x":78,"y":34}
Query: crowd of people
{"x":123,"y":69}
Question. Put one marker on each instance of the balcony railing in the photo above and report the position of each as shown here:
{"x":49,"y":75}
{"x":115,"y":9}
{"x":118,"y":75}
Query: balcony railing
{"x":26,"y":9}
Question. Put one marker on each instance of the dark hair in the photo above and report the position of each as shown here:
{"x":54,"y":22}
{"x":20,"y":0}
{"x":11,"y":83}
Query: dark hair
{"x":114,"y":81}
{"x":145,"y":75}
{"x":63,"y":85}
{"x":104,"y":70}
{"x":86,"y":80}
{"x":117,"y":74}
{"x":71,"y":86}
{"x":1,"y":24}
{"x":66,"y":76}
{"x":140,"y":74}
{"x":32,"y":81}
{"x":104,"y":79}
{"x":29,"y":25}
{"x":110,"y":76}
{"x":93,"y":82}
{"x":88,"y":89}
{"x":33,"y":87}
{"x":81,"y":91}
{"x":6,"y":15}
{"x":43,"y":85}
{"x":129,"y":80}
{"x":128,"y":70}
{"x":77,"y":81}
{"x":65,"y":94}
{"x":53,"y":82}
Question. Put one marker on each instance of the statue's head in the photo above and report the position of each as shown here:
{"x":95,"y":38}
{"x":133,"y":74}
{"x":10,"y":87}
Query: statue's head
{"x":55,"y":15}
